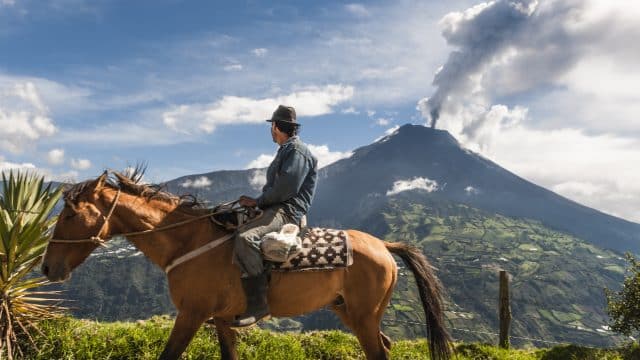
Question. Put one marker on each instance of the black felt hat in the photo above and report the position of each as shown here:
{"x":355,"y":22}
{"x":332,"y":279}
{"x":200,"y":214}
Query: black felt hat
{"x":286,"y":114}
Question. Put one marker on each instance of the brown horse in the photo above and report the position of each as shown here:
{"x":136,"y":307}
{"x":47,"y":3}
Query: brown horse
{"x":208,"y":286}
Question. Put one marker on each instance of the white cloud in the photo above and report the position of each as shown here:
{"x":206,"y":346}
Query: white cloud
{"x":23,"y":116}
{"x":198,"y":183}
{"x":371,"y":113}
{"x":413,"y":184}
{"x":358,"y":10}
{"x":233,"y":67}
{"x":470,"y":190}
{"x":309,"y":101}
{"x":593,"y":170}
{"x":258,"y":179}
{"x":80,"y":164}
{"x":350,"y":110}
{"x":6,"y":165}
{"x":326,"y":156}
{"x":262,"y":161}
{"x":260,"y":52}
{"x":322,"y":152}
{"x":383,"y":121}
{"x":7,"y":2}
{"x":55,"y":156}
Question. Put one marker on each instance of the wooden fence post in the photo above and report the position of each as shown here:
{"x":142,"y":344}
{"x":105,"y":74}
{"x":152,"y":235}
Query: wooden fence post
{"x":504,"y":310}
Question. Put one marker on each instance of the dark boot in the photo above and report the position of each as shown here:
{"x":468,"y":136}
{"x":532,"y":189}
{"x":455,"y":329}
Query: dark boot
{"x":255,"y":289}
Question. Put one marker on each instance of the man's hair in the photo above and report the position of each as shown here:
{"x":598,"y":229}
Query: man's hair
{"x":288,"y":128}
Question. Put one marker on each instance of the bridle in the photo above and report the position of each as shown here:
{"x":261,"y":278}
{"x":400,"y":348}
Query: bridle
{"x":100,"y":241}
{"x":96,"y":239}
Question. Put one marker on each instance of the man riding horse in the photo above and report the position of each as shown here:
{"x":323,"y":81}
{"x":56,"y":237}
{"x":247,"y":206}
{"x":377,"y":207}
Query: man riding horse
{"x":286,"y":198}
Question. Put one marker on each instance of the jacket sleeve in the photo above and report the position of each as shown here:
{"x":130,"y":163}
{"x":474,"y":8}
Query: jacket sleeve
{"x":293,"y":170}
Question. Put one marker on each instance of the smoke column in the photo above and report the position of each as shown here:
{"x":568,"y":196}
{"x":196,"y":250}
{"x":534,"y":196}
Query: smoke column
{"x":479,"y":33}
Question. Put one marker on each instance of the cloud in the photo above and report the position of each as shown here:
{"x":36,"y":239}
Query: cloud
{"x":470,"y":190}
{"x":7,"y":3}
{"x":571,"y":64}
{"x":350,"y":110}
{"x":233,"y":67}
{"x":383,"y":121}
{"x":561,"y":57}
{"x":591,"y":169}
{"x":322,"y":152}
{"x":258,"y":179}
{"x":262,"y":161}
{"x":259,"y":52}
{"x":358,"y":10}
{"x":480,"y":33}
{"x":198,"y":183}
{"x":69,"y":176}
{"x":80,"y":164}
{"x":23,"y":116}
{"x":7,"y":165}
{"x":413,"y":184}
{"x":309,"y":101}
{"x":55,"y":156}
{"x":326,"y":156}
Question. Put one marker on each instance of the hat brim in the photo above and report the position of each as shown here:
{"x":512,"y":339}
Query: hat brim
{"x":284,"y":121}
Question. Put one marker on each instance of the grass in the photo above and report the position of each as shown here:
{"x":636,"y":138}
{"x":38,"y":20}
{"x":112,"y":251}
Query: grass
{"x":70,"y":338}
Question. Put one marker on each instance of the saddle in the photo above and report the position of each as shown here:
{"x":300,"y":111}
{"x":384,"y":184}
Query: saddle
{"x":320,"y":248}
{"x":230,"y":216}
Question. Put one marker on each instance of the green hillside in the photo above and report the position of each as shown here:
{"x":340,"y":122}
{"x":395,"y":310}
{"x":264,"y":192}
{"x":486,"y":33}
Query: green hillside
{"x":557,"y":280}
{"x":556,"y":286}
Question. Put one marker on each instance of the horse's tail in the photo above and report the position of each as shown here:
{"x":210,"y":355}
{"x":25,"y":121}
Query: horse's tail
{"x":430,"y":291}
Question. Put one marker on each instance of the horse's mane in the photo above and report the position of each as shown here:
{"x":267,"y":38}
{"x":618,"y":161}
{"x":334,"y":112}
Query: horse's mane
{"x":130,"y":182}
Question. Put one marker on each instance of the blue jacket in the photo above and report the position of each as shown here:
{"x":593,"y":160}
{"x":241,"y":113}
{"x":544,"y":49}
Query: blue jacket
{"x":291,"y":179}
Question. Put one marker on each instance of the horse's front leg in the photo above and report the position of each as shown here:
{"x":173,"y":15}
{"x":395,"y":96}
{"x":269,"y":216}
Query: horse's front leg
{"x":227,"y":339}
{"x":185,"y":327}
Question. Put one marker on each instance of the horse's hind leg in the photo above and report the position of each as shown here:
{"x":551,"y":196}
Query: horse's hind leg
{"x":227,"y":340}
{"x":363,"y":314}
{"x":367,"y":331}
{"x":184,"y":328}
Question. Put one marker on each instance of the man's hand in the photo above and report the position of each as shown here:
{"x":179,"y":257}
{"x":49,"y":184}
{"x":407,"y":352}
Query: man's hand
{"x":247,"y":201}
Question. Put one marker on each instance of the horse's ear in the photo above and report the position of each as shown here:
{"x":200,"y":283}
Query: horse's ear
{"x":98,"y":183}
{"x":121,"y":178}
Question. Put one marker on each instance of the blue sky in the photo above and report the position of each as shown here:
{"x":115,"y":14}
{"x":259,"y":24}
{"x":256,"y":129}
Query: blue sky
{"x":548,"y":89}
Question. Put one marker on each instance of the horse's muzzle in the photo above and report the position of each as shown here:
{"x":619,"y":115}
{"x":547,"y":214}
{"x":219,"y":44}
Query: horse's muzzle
{"x":55,"y":273}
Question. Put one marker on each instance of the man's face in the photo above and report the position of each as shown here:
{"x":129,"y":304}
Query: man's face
{"x":274,"y":132}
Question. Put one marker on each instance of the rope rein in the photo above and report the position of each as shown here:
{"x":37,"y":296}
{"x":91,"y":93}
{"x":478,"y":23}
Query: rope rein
{"x":173,"y":263}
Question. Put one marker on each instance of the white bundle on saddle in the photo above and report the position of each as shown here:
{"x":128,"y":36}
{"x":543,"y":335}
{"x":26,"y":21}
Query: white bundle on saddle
{"x":282,"y":246}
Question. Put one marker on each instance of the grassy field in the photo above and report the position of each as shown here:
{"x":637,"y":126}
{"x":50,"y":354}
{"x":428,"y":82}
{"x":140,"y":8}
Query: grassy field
{"x":70,"y":338}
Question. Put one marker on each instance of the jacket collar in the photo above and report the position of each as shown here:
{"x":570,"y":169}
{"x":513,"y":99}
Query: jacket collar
{"x":291,"y":140}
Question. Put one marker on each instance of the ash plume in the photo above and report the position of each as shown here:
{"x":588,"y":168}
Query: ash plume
{"x":479,"y":33}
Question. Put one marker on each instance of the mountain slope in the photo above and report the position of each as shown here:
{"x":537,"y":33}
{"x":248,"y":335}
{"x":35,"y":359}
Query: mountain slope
{"x":557,"y":280}
{"x":358,"y":182}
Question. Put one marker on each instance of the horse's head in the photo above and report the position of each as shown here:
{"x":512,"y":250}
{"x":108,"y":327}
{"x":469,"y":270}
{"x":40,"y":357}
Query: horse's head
{"x":84,"y":213}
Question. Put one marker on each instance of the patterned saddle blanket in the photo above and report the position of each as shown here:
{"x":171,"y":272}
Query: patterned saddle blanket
{"x":322,"y":249}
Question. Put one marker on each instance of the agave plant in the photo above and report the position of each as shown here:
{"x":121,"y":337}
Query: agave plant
{"x":25,"y":226}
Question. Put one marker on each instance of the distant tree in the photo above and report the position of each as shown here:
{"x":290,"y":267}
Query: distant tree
{"x":624,"y":306}
{"x":25,"y":226}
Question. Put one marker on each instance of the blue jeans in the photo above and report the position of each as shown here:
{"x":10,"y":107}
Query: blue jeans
{"x":246,"y":247}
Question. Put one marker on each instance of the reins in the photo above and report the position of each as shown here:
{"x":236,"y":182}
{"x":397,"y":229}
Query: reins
{"x":175,"y":262}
